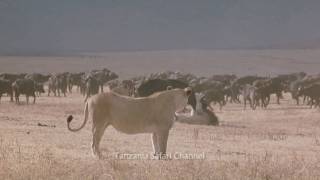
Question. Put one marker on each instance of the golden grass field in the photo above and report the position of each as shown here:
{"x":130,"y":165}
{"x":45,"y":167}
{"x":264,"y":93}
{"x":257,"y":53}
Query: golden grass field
{"x":282,"y":142}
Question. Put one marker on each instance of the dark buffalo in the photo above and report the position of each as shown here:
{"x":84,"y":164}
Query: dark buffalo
{"x":39,"y":88}
{"x":114,"y":83}
{"x":307,"y":81}
{"x":287,"y":79}
{"x":249,"y":93}
{"x":69,"y":82}
{"x":312,"y":91}
{"x":24,"y":86}
{"x":294,"y":88}
{"x":75,"y":79}
{"x":233,"y":92}
{"x":37,"y":77}
{"x":103,"y":76}
{"x":157,"y":85}
{"x":225,"y":79}
{"x":62,"y":83}
{"x":5,"y":87}
{"x":215,"y":96}
{"x":187,"y":78}
{"x":266,"y":87}
{"x":53,"y":85}
{"x":11,"y":77}
{"x":207,"y":85}
{"x":92,"y":87}
{"x":247,"y":80}
{"x":292,"y":77}
{"x":129,"y":85}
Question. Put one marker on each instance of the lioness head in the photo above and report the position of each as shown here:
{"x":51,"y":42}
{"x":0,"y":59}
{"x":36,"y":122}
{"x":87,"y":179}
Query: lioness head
{"x":182,"y":103}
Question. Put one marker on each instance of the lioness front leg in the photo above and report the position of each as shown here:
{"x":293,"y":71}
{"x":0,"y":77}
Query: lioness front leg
{"x":162,"y":139}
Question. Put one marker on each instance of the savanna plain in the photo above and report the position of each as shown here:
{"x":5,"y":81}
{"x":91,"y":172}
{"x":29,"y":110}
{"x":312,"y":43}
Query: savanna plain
{"x":280,"y":142}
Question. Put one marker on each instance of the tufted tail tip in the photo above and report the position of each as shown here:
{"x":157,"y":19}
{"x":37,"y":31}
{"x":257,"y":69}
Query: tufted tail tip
{"x":69,"y":119}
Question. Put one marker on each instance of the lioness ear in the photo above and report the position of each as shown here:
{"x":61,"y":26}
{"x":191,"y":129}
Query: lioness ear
{"x":169,"y":88}
{"x":188,"y":91}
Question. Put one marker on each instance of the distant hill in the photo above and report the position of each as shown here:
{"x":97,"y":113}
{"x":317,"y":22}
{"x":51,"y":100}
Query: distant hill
{"x":200,"y":62}
{"x":309,"y":44}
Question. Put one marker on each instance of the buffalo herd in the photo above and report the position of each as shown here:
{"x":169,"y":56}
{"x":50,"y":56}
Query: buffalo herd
{"x":217,"y":89}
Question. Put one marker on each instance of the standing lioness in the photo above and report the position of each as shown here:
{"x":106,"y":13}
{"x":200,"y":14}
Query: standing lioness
{"x":153,"y":114}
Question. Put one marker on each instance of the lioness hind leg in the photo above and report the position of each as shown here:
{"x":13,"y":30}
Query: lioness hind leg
{"x":162,"y":141}
{"x":97,"y":133}
{"x":155,"y":144}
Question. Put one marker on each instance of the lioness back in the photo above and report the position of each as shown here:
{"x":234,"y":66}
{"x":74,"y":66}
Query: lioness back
{"x":133,"y":115}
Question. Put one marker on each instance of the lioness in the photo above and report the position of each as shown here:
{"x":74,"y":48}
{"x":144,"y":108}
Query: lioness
{"x":154,"y":114}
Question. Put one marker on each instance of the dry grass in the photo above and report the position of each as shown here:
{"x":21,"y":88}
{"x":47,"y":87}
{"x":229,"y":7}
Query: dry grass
{"x":282,"y":142}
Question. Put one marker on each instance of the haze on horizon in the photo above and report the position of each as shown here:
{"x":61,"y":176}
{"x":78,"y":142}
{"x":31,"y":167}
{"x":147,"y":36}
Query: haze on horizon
{"x":55,"y":27}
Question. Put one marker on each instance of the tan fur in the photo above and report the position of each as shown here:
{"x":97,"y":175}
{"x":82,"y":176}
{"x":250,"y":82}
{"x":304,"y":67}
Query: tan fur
{"x":153,"y":114}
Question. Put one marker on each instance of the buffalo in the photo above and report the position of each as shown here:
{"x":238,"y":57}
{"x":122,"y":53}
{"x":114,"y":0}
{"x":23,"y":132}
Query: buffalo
{"x":312,"y":91}
{"x":102,"y":76}
{"x":37,"y":77}
{"x":157,"y":85}
{"x":53,"y":85}
{"x":91,"y":87}
{"x":24,"y":86}
{"x":249,"y":93}
{"x":5,"y":87}
{"x":215,"y":96}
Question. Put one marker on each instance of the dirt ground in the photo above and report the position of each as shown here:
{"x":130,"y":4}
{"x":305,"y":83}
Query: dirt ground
{"x":281,"y":142}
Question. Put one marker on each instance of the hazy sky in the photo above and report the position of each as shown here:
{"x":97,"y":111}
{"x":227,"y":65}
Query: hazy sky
{"x":54,"y":26}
